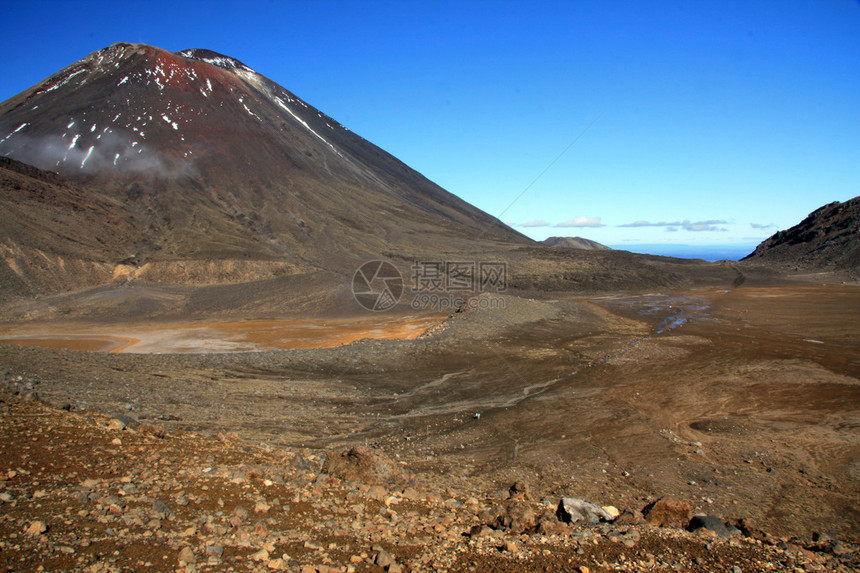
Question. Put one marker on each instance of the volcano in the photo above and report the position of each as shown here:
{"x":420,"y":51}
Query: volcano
{"x":200,"y":159}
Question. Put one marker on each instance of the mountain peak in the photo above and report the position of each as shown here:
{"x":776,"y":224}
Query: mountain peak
{"x":214,"y":58}
{"x":211,"y":160}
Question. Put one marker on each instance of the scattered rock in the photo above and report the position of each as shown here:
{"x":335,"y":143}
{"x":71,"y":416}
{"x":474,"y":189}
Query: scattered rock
{"x":520,"y":490}
{"x":630,"y":517}
{"x":668,"y":512}
{"x":516,"y":516}
{"x":574,"y":510}
{"x":714,"y":524}
{"x":384,"y":559}
{"x":36,"y":528}
{"x":160,"y":509}
{"x":611,"y":510}
{"x":186,"y":555}
{"x":366,"y":465}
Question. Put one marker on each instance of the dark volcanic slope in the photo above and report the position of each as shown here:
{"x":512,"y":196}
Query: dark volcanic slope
{"x":575,"y":243}
{"x":211,"y":161}
{"x":829,"y":238}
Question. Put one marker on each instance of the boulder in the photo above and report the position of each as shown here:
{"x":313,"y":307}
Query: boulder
{"x":714,"y":524}
{"x":366,"y":465}
{"x":668,"y":512}
{"x":520,"y":490}
{"x":517,"y":517}
{"x":574,"y":510}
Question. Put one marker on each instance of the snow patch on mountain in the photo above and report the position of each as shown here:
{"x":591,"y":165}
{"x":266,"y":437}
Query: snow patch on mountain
{"x":301,"y":121}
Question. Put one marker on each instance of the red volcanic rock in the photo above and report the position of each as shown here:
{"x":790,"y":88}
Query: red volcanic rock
{"x":668,"y":512}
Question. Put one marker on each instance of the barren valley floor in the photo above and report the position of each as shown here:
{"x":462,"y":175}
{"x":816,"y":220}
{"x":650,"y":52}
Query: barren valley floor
{"x":743,"y":402}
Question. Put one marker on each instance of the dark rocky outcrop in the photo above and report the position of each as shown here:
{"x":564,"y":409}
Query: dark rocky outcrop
{"x":828,"y":239}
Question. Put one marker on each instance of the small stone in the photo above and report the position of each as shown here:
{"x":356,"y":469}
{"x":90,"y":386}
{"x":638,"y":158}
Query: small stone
{"x":520,"y":490}
{"x":262,"y":507}
{"x":511,"y":547}
{"x":384,"y":559}
{"x":37,"y":528}
{"x":377,"y":492}
{"x":160,"y":508}
{"x":261,"y":555}
{"x":186,"y":555}
{"x":611,"y":510}
{"x":240,"y":512}
{"x":277,"y":564}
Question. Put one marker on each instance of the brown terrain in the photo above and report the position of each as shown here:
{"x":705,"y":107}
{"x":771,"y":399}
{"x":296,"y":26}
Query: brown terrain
{"x":739,"y":402}
{"x":574,"y":243}
{"x":189,"y":381}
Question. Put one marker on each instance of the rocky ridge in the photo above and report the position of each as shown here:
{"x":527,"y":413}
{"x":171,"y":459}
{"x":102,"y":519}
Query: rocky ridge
{"x":827,"y":239}
{"x":575,"y":243}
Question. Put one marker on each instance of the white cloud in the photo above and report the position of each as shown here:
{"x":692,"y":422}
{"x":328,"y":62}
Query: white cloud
{"x":648,"y":224}
{"x":582,"y":221}
{"x":698,"y":226}
{"x":535,"y":223}
{"x":709,"y":225}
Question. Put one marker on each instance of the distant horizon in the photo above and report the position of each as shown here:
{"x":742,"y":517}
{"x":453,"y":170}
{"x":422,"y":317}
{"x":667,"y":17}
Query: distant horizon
{"x":711,"y":253}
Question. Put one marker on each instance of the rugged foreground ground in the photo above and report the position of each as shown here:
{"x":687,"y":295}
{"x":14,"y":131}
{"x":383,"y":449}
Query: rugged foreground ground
{"x":740,"y":403}
{"x":84,"y":491}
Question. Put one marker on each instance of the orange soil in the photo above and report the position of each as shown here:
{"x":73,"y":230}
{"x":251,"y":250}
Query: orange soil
{"x":222,"y":336}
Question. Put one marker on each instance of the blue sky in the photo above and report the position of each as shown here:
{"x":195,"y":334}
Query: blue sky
{"x":692,"y":123}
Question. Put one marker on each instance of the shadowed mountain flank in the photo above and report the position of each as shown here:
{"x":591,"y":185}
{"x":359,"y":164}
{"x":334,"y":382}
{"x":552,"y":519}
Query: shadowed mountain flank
{"x":829,"y":238}
{"x":204,"y":159}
